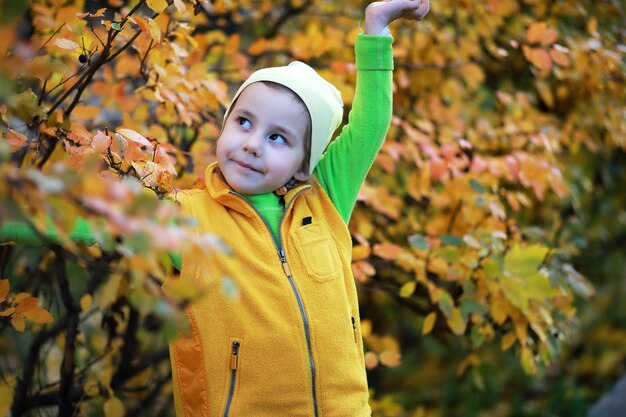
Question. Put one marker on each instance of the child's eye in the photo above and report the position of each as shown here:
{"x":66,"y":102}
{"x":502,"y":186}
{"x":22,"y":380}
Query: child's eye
{"x":243,"y":122}
{"x":275,"y":137}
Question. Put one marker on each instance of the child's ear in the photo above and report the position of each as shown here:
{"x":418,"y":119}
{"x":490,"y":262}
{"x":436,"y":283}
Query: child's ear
{"x":301,"y":176}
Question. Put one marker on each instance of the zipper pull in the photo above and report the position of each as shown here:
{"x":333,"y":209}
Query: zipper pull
{"x":235,"y":355}
{"x":354,"y":329}
{"x":283,"y":259}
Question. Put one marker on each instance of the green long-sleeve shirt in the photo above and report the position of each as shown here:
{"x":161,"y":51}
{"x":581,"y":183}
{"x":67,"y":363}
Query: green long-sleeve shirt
{"x":343,"y":167}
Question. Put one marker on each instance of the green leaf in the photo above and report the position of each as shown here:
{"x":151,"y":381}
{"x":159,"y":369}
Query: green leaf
{"x":116,"y":26}
{"x":25,"y":106}
{"x":450,"y":254}
{"x":451,"y":240}
{"x":476,"y":186}
{"x":446,"y":304}
{"x":522,"y":261}
{"x":418,"y":242}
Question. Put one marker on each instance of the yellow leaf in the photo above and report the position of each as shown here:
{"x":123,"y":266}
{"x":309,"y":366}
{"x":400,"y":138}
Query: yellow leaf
{"x":429,"y":323}
{"x":360,"y":252}
{"x":545,"y":93}
{"x":473,"y":75}
{"x":528,"y":361}
{"x":155,"y":31}
{"x":4,"y":289}
{"x":113,"y":407}
{"x":18,"y":323}
{"x":108,"y":293}
{"x":508,"y":340}
{"x":456,"y":323}
{"x":38,"y":315}
{"x":157,"y":5}
{"x":437,"y":265}
{"x":471,"y":360}
{"x":499,"y":311}
{"x":6,"y":399}
{"x":390,"y":358}
{"x":85,"y":302}
{"x":91,"y":387}
{"x":407,"y":289}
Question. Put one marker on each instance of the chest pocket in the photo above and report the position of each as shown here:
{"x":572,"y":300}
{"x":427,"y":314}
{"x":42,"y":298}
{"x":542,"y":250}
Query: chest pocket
{"x":317,"y":251}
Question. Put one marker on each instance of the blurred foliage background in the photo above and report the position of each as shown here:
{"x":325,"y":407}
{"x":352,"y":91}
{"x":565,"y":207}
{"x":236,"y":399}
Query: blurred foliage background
{"x":488,"y":240}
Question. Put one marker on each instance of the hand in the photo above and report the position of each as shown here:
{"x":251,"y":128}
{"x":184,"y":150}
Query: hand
{"x":379,"y":14}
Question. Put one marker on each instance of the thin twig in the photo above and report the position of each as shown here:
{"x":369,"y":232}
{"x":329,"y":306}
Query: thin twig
{"x":51,"y":36}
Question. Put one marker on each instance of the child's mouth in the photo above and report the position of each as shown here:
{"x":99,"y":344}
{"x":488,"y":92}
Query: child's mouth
{"x":249,"y":167}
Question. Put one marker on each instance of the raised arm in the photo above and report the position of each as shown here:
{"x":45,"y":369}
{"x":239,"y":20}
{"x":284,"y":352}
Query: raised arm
{"x":349,"y":157}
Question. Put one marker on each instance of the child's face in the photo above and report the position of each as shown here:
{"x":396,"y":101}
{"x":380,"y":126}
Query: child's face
{"x":262,"y":144}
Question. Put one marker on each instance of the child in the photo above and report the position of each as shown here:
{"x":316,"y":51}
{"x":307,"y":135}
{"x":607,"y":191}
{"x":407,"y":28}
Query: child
{"x":289,"y":343}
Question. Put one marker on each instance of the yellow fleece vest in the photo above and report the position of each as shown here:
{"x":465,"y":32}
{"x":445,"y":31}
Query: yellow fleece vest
{"x":272,"y":337}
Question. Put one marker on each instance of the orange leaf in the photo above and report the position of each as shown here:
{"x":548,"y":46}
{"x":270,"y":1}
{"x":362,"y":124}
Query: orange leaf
{"x":549,"y":36}
{"x":38,"y":315}
{"x":4,"y":289}
{"x":7,"y":312}
{"x":142,"y":23}
{"x":539,"y":58}
{"x":387,"y":250}
{"x":559,"y":55}
{"x":26,"y":304}
{"x":536,"y":32}
{"x":18,"y":323}
{"x":258,"y":47}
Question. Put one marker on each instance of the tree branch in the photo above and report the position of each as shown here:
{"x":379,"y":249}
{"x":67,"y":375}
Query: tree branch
{"x":66,"y":408}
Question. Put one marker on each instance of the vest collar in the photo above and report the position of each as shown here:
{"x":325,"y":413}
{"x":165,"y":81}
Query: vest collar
{"x":221,"y":192}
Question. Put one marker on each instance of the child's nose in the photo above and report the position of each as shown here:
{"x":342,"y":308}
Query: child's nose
{"x":253,"y":144}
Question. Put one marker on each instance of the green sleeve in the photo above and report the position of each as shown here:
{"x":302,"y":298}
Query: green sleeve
{"x":344,"y":166}
{"x":20,"y":232}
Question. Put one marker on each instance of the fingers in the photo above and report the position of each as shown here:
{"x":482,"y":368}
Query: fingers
{"x":420,"y":12}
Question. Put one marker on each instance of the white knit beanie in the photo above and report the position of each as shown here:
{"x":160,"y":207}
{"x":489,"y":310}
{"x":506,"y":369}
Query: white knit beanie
{"x":322,"y":99}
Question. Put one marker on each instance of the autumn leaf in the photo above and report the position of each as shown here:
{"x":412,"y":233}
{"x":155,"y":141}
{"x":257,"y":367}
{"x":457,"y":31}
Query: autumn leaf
{"x":429,"y":323}
{"x":387,"y":250}
{"x":26,"y":304}
{"x":6,"y":398}
{"x":408,"y":289}
{"x":4,"y":289}
{"x":38,"y":315}
{"x":18,"y":323}
{"x":158,"y":6}
{"x":113,"y":407}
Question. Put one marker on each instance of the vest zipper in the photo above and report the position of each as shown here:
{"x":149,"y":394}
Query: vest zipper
{"x":283,"y":260}
{"x":234,"y":359}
